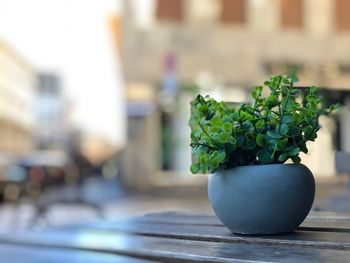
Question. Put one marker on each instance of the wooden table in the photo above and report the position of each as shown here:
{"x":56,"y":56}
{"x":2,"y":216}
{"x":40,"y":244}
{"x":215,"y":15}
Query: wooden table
{"x":180,"y":237}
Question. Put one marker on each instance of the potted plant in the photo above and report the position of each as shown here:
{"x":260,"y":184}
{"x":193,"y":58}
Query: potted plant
{"x":251,"y":190}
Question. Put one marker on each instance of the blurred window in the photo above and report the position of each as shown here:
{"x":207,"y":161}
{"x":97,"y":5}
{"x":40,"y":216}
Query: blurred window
{"x":170,"y":10}
{"x":342,"y":8}
{"x":277,"y":68}
{"x":292,"y":13}
{"x":233,"y":11}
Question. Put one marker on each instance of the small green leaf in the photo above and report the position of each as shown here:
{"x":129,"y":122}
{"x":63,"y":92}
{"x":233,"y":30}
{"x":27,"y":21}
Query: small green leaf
{"x":222,"y":138}
{"x":308,"y":132}
{"x":296,"y":159}
{"x":283,"y":157}
{"x":294,"y":151}
{"x":284,"y":128}
{"x":195,"y":168}
{"x":240,"y":140}
{"x":247,"y":126}
{"x":272,"y":101}
{"x":227,"y":127}
{"x":203,"y":108}
{"x":249,"y":144}
{"x":303,"y":148}
{"x":285,"y":81}
{"x":227,"y":119}
{"x":274,"y":135}
{"x":214,"y":163}
{"x":287,"y":119}
{"x":221,"y":156}
{"x":256,"y":92}
{"x":232,"y":141}
{"x":216,"y":121}
{"x":282,"y":143}
{"x":261,"y":140}
{"x":264,"y":156}
{"x":260,"y":124}
{"x":203,"y":159}
{"x":294,"y":131}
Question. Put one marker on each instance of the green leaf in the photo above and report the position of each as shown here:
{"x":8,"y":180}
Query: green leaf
{"x":274,"y":134}
{"x":285,"y":81}
{"x":240,"y":140}
{"x":195,"y":168}
{"x":204,"y":168}
{"x":227,"y":127}
{"x":223,"y":137}
{"x":285,"y":90}
{"x":264,"y":156}
{"x":256,"y":92}
{"x":296,"y":159}
{"x":283,"y":157}
{"x":294,"y":151}
{"x":308,"y":132}
{"x":282,"y":143}
{"x":294,"y":131}
{"x":248,"y":126}
{"x":203,"y":159}
{"x":203,"y":109}
{"x":216,"y":121}
{"x":221,"y":156}
{"x":284,"y":128}
{"x":287,"y":119}
{"x":272,"y":101}
{"x":214,"y":164}
{"x":227,"y":119}
{"x":232,"y":141}
{"x":261,"y":140}
{"x":303,"y":148}
{"x":260,"y":124}
{"x":248,"y":144}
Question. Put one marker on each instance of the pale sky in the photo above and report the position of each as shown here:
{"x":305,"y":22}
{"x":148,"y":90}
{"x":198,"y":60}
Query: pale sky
{"x":72,"y":38}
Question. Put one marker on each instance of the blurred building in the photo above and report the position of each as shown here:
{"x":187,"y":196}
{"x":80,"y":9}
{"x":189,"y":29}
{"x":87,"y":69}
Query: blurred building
{"x":17,"y":87}
{"x":50,"y":111}
{"x":233,"y":45}
{"x":240,"y":41}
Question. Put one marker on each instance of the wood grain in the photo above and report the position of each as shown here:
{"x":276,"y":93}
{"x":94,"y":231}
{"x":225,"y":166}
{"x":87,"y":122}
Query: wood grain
{"x":173,"y":250}
{"x":181,"y":237}
{"x":38,"y":254}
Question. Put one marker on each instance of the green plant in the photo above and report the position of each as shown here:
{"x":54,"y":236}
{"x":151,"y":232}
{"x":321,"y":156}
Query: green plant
{"x":271,"y":130}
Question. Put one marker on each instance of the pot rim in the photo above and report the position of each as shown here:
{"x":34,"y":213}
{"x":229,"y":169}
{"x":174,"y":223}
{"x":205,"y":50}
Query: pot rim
{"x":262,"y":165}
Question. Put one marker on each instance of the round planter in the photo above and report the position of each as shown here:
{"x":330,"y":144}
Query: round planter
{"x":262,"y":199}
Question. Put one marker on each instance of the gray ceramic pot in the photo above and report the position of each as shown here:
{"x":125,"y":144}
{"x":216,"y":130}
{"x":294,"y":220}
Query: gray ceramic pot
{"x":262,"y":199}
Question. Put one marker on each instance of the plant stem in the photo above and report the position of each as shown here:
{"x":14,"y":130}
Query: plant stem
{"x":285,"y":104}
{"x":214,"y":142}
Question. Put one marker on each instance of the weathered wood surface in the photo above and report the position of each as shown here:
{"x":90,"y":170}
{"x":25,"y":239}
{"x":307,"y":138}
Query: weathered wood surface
{"x":179,"y":237}
{"x":35,"y":254}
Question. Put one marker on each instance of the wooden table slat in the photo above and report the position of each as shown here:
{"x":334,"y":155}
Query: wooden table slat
{"x":184,"y":237}
{"x":174,"y":250}
{"x":39,"y":254}
{"x":313,"y":222}
{"x":335,"y":240}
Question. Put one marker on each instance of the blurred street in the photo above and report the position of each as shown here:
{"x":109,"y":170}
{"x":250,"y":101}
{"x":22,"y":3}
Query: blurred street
{"x":96,"y":199}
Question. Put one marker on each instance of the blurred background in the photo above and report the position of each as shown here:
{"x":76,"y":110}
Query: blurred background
{"x":94,"y":98}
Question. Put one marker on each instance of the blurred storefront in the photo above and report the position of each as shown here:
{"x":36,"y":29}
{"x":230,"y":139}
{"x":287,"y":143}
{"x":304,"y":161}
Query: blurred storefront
{"x":17,"y":89}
